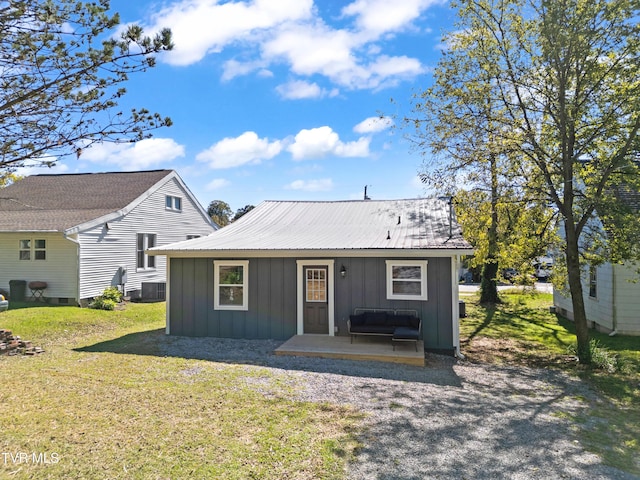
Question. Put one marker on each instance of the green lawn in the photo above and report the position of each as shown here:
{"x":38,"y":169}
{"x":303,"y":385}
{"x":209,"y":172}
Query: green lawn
{"x":121,"y":414}
{"x":523,"y":331}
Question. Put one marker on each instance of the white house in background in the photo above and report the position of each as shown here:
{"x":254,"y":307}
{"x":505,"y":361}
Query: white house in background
{"x":82,"y":233}
{"x":611,"y":292}
{"x":611,"y":299}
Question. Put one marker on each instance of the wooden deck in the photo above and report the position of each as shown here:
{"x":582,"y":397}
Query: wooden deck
{"x":378,"y":349}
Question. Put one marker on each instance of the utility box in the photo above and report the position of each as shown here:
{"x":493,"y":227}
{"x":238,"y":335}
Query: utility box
{"x":462,"y":308}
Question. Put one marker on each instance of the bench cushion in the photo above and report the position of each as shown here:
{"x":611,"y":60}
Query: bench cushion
{"x":357,"y":320}
{"x":406,"y":333}
{"x":373,"y":329}
{"x":375,"y":318}
{"x":404,"y":321}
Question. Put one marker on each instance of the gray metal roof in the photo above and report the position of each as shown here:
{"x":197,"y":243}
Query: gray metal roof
{"x":59,"y":202}
{"x":338,"y":225}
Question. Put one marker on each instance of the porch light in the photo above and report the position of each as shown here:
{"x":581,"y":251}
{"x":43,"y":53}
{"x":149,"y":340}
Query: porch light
{"x":343,"y":271}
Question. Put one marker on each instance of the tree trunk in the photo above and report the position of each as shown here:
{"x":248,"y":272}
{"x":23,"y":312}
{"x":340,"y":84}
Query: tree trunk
{"x":577,"y":299}
{"x":488,"y":285}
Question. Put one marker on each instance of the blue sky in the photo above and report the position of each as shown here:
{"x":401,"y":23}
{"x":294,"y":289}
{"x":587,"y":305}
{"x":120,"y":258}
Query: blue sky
{"x":280,"y":99}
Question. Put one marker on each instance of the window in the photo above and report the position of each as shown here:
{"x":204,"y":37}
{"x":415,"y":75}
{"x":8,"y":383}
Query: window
{"x":145,"y":241}
{"x":316,"y":285}
{"x":407,"y":279}
{"x":593,"y":282}
{"x":230,"y":278}
{"x":173,"y":203}
{"x":33,"y":249}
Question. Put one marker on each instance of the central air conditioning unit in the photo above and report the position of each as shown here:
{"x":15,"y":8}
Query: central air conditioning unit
{"x":154,"y":291}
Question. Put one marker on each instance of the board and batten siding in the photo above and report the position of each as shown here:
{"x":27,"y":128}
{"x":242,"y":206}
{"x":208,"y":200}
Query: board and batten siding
{"x":59,"y":269}
{"x":104,"y":249}
{"x":272,"y":311}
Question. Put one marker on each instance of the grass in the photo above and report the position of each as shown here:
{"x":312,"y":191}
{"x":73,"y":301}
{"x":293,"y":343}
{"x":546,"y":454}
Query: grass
{"x":523,"y":331}
{"x":120,"y":414}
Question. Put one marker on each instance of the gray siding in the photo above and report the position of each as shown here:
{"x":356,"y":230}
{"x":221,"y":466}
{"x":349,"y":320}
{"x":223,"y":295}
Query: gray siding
{"x":272,"y":299}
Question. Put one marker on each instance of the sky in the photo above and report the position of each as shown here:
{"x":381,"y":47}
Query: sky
{"x":281,"y":99}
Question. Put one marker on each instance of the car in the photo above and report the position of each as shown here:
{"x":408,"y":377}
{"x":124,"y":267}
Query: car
{"x":4,"y":304}
{"x":510,"y":274}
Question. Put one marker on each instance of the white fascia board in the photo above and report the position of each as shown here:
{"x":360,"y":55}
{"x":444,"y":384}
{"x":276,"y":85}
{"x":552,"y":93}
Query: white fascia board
{"x":195,"y":201}
{"x":373,"y":253}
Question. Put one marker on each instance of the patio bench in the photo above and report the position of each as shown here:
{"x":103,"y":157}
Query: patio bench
{"x":400,"y":325}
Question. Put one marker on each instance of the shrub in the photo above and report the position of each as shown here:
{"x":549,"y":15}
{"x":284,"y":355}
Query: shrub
{"x":112,"y":293}
{"x":601,"y":357}
{"x":101,"y":303}
{"x":108,"y":300}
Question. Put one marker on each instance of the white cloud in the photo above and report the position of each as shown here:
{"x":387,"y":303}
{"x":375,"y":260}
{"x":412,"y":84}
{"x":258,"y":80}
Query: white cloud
{"x":298,"y":89}
{"x":247,"y":149}
{"x":36,"y":167}
{"x":290,"y":32}
{"x":336,"y":54}
{"x":216,"y":184}
{"x":380,"y":16}
{"x":323,"y":141}
{"x":146,"y":153}
{"x":203,"y":26}
{"x":373,"y":125}
{"x":319,"y":185}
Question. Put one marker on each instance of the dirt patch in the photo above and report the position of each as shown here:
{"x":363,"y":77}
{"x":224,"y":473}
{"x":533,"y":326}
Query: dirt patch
{"x":507,"y":351}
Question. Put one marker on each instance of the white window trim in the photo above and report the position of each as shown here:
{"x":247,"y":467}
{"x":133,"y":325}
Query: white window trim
{"x":245,"y":284}
{"x":145,"y":247}
{"x":423,"y":279}
{"x":173,"y":207}
{"x":33,"y":249}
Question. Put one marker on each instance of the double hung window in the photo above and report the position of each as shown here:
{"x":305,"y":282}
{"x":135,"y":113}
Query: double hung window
{"x":231,"y":284}
{"x":406,"y":279}
{"x":144,"y":261}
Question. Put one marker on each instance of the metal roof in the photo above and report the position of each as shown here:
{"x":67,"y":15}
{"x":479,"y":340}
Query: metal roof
{"x":410,"y":224}
{"x":59,"y":202}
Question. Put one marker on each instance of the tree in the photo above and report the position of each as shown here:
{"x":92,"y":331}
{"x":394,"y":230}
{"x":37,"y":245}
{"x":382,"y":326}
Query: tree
{"x":7,"y":178}
{"x":562,"y":78}
{"x":242,"y":211}
{"x":62,"y":71}
{"x":220,"y":212}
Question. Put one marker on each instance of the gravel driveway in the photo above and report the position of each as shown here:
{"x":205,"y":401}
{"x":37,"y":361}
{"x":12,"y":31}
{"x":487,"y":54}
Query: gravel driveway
{"x":450,"y":419}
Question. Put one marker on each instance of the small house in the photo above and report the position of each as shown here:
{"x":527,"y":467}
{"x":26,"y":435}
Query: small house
{"x":301,"y":267}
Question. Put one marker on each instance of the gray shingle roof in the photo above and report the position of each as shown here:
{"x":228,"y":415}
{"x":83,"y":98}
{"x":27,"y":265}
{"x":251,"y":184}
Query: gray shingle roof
{"x":339,"y":225}
{"x":59,"y":202}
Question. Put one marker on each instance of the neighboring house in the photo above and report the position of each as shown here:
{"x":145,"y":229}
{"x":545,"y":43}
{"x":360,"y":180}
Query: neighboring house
{"x":611,"y":292}
{"x":611,"y":299}
{"x":288,"y":268}
{"x":80,"y":233}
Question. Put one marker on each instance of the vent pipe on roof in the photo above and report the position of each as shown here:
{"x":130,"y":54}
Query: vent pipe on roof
{"x":388,"y":234}
{"x":450,"y":217}
{"x":399,"y":219}
{"x":366,"y":197}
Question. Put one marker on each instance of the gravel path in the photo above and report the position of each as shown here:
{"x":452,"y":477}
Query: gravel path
{"x":449,"y":420}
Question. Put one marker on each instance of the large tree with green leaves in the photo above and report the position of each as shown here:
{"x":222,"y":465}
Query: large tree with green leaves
{"x":63,"y":66}
{"x":562,"y":79}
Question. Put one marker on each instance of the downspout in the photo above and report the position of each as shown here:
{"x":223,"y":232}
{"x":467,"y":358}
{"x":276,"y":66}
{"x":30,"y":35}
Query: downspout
{"x":614,"y":308}
{"x":77,"y":243}
{"x":455,"y":307}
